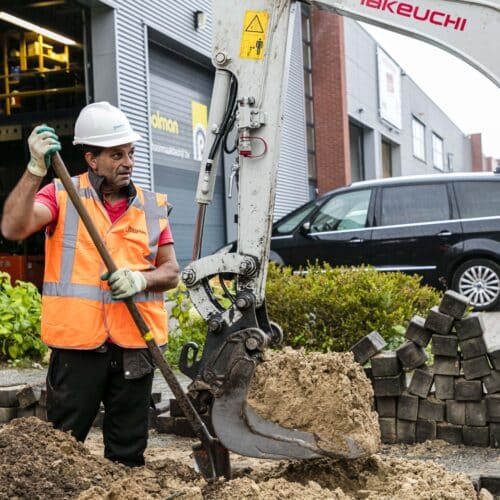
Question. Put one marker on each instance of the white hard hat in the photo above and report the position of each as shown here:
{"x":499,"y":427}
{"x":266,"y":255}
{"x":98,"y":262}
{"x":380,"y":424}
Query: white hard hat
{"x":104,"y":125}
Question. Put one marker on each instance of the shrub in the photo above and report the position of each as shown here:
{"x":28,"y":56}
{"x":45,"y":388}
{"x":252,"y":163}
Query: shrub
{"x":19,"y":321}
{"x":332,"y":308}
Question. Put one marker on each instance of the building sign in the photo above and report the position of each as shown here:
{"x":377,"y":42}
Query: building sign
{"x":199,"y":116}
{"x":389,"y":89}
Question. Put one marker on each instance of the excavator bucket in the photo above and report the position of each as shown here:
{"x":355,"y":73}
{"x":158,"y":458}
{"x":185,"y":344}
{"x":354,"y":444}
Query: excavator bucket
{"x":228,"y":371}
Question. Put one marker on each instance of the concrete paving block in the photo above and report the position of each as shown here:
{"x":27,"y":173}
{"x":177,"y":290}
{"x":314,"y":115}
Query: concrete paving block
{"x":389,"y":386}
{"x":476,"y":413}
{"x":444,"y":386}
{"x":495,"y":359}
{"x":469,"y":327}
{"x":406,"y":431}
{"x":444,"y":345}
{"x":468,"y":390}
{"x":411,"y":355}
{"x":493,"y":408}
{"x":421,"y":382}
{"x":475,"y":368}
{"x":476,"y":436}
{"x":28,"y":396}
{"x":453,"y":304}
{"x":472,"y":348}
{"x":439,"y":322}
{"x":455,"y":412}
{"x":386,"y":407}
{"x":26,"y":412}
{"x":386,"y":364}
{"x":8,"y":395}
{"x":492,"y":382}
{"x":7,"y":414}
{"x":388,"y":432}
{"x":407,"y":407}
{"x":41,"y":412}
{"x":368,"y":372}
{"x":450,"y":433}
{"x":416,"y":331}
{"x":156,"y":397}
{"x":367,"y":347}
{"x":491,"y":482}
{"x":431,"y":409}
{"x":495,"y":435}
{"x":444,"y":365}
{"x":425,"y":431}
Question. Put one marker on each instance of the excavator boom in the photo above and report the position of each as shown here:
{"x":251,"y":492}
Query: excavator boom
{"x":251,"y":40}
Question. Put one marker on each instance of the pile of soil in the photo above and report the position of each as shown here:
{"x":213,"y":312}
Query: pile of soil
{"x":326,"y":394}
{"x":38,"y":462}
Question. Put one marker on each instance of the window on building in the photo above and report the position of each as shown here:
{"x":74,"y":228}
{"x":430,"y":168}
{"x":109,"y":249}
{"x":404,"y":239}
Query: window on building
{"x":418,"y":130}
{"x":308,"y":91}
{"x":437,"y":152}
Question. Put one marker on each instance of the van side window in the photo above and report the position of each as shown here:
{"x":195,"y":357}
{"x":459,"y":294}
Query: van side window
{"x":343,"y":211}
{"x":413,"y":204}
{"x":478,"y":199}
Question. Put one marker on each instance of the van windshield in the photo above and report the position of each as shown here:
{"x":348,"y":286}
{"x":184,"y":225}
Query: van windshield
{"x":290,"y":222}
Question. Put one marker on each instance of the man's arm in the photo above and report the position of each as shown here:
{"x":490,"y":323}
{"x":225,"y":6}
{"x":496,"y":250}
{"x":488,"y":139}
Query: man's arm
{"x":21,"y":215}
{"x":166,"y":274}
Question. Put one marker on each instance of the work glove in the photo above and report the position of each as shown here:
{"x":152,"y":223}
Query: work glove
{"x":43,"y":143}
{"x":125,"y":283}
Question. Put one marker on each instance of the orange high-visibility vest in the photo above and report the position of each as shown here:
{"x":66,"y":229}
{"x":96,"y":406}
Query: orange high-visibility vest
{"x":78,"y":311}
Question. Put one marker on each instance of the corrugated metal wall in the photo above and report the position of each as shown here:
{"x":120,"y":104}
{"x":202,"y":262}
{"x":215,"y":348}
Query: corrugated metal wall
{"x":293,"y":188}
{"x":175,"y":20}
{"x":171,"y":18}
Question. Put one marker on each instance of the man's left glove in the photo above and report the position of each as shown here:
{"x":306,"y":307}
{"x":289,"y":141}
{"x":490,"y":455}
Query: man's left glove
{"x":125,"y":283}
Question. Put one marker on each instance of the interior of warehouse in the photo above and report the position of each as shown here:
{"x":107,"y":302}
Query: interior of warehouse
{"x":42,"y":80}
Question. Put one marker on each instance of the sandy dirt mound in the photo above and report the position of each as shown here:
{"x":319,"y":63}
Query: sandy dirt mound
{"x":328,"y":394}
{"x":38,"y":462}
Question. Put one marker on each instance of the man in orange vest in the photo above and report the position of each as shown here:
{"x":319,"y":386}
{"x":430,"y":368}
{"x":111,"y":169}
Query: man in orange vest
{"x":98,"y":354}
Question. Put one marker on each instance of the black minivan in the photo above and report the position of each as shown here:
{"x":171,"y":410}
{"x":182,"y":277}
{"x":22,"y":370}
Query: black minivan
{"x":445,"y":227}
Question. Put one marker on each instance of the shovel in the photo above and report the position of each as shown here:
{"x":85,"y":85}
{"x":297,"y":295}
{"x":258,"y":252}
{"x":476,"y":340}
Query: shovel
{"x":212,"y":459}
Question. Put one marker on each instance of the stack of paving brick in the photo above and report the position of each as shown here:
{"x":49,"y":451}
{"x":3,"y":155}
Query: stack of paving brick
{"x":457,"y":399}
{"x":174,"y":421}
{"x":22,"y":400}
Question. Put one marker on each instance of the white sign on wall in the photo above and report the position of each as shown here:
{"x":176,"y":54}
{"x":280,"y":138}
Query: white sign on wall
{"x":389,"y":89}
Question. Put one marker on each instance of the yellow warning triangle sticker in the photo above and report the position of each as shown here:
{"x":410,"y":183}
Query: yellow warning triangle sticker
{"x":255,"y":26}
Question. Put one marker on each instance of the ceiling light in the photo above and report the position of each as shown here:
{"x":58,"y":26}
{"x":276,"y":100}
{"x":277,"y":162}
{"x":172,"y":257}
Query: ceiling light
{"x":37,"y":29}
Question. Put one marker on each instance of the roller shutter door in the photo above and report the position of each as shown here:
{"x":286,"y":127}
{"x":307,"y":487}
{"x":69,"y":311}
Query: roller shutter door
{"x":180,"y":93}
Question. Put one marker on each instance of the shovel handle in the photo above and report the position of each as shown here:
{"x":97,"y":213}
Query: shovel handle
{"x":187,"y":407}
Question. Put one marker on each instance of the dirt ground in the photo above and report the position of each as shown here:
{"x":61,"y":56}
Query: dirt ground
{"x":328,"y":394}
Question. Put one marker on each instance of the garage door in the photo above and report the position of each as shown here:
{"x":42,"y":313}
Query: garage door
{"x":180,"y":93}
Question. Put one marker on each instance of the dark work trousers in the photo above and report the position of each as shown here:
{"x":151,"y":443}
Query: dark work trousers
{"x":77,"y":382}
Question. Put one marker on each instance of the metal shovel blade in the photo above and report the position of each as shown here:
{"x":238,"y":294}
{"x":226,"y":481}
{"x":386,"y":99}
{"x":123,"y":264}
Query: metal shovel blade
{"x":212,"y":463}
{"x":243,"y":431}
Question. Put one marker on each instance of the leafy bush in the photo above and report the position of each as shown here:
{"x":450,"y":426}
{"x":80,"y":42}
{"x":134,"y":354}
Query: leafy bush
{"x":19,"y":321}
{"x":186,"y":325}
{"x":332,"y":308}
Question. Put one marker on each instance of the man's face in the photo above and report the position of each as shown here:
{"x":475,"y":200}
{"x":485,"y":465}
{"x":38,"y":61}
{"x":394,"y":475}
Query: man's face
{"x":114,"y":164}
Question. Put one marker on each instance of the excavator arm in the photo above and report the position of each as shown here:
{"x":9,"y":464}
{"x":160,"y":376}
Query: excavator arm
{"x":250,"y":51}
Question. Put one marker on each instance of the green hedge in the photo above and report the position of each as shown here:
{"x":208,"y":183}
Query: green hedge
{"x":19,"y":321}
{"x":322,"y":309}
{"x":329,"y":308}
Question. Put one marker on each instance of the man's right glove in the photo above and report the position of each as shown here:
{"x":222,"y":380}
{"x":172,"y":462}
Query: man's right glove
{"x":125,"y":283}
{"x":43,"y":143}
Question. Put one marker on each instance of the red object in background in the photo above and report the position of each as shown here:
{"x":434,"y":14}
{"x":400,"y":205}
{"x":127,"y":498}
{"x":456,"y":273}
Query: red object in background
{"x":24,"y":268}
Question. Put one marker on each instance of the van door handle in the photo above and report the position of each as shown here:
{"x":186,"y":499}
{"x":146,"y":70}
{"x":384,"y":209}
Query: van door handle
{"x":445,"y":232}
{"x":356,"y":240}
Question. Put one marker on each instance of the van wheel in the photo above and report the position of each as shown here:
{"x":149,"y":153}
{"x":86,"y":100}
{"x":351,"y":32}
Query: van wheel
{"x":479,"y":281}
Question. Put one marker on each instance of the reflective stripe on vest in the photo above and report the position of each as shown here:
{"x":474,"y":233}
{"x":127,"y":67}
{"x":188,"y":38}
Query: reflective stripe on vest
{"x":78,"y":310}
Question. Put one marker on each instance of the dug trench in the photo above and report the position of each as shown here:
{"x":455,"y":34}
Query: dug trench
{"x":328,"y":394}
